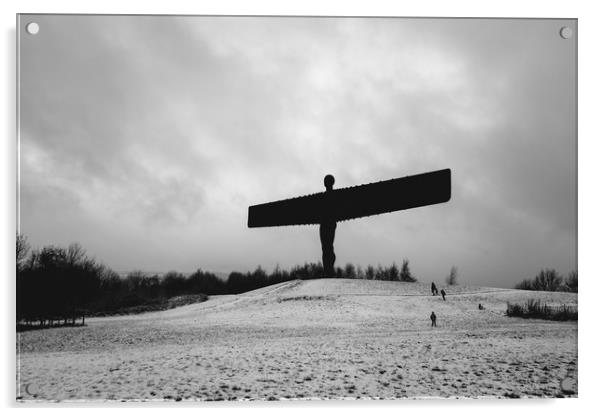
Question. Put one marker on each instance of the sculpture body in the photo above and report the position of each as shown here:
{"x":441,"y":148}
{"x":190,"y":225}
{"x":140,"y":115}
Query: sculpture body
{"x":333,"y":205}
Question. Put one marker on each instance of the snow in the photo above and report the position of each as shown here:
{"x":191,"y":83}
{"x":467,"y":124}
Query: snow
{"x":325,"y":338}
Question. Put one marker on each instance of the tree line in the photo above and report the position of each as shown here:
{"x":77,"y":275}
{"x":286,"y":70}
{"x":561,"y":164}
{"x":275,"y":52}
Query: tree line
{"x":58,"y":284}
{"x":552,"y":281}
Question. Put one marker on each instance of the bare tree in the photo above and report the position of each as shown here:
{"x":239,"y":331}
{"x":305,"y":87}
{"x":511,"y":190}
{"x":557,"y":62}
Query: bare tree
{"x":572,"y":281}
{"x":452,"y":279}
{"x":405,"y":275}
{"x":360,"y":272}
{"x":350,"y":272}
{"x":22,"y":249}
{"x":75,"y":254}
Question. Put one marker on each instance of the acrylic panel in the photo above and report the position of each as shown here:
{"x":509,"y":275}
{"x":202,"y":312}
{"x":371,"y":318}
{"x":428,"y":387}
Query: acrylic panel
{"x":295,"y":208}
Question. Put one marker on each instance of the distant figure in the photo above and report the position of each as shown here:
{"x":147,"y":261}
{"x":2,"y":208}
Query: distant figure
{"x":481,"y":307}
{"x":328,"y":227}
{"x":433,"y":319}
{"x":434,"y":290}
{"x":443,"y":293}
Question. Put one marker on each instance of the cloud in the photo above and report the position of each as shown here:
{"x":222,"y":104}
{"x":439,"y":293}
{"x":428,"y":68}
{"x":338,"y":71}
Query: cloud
{"x":159,"y":132}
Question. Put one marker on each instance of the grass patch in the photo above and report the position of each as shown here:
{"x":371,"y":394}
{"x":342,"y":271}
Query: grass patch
{"x":158,"y":305}
{"x":535,"y":309}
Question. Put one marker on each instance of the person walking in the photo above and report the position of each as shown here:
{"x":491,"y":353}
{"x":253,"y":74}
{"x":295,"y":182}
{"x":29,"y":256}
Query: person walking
{"x":433,"y":319}
{"x":443,"y":293}
{"x":434,"y":290}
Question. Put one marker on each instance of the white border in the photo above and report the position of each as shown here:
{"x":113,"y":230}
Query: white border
{"x":590,"y":201}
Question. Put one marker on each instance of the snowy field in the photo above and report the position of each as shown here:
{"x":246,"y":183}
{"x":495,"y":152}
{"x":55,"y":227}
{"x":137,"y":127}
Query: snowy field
{"x":326,"y":339}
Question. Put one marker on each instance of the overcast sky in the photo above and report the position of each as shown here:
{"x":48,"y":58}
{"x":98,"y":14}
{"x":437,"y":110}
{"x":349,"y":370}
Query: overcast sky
{"x":145,"y":139}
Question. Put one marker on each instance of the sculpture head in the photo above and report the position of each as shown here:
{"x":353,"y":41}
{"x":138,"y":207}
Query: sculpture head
{"x":328,"y":182}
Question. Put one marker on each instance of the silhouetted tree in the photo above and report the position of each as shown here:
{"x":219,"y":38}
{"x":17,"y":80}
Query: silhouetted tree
{"x":452,"y":278}
{"x":339,"y":273}
{"x":75,"y":255}
{"x":278,"y":276}
{"x":62,"y":283}
{"x":174,"y":283}
{"x":392,"y":273}
{"x":360,"y":274}
{"x":547,"y":280}
{"x":22,"y":250}
{"x":572,"y":282}
{"x":350,"y":271}
{"x":236,"y":283}
{"x":380,"y":273}
{"x":112,"y":290}
{"x":207,"y":283}
{"x":56,"y":283}
{"x":307,"y":271}
{"x":255,"y":280}
{"x":405,"y":275}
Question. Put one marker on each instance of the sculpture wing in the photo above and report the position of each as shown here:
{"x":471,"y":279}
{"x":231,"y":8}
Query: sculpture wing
{"x":356,"y":201}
